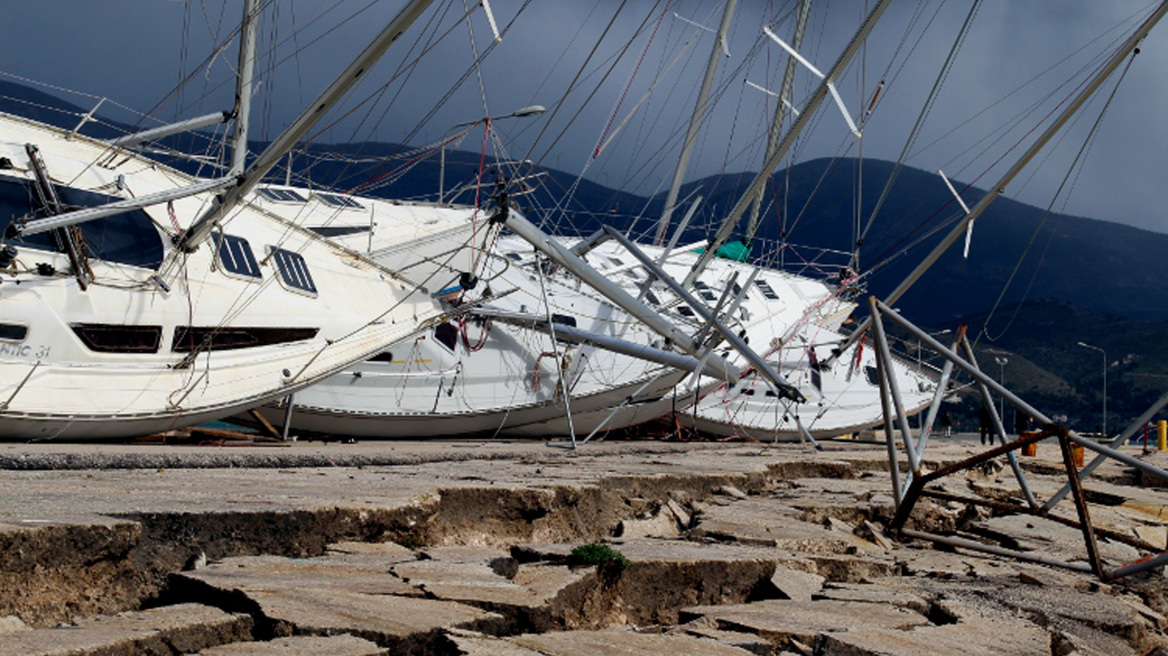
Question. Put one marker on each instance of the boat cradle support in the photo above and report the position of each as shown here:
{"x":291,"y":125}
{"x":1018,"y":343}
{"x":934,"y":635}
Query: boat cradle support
{"x":906,"y":494}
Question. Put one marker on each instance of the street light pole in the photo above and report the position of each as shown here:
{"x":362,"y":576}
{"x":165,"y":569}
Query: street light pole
{"x":1096,"y":348}
{"x":530,"y":110}
{"x":1002,"y":379}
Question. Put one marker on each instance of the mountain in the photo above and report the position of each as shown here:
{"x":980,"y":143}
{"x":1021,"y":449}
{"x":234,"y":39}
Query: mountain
{"x":1099,"y":265}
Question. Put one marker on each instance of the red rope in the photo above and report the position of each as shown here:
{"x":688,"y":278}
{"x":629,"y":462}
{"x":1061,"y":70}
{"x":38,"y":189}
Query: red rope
{"x":483,"y":335}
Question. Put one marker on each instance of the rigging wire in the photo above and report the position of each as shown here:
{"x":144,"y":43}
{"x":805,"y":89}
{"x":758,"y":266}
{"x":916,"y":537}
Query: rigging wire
{"x":914,"y":133}
{"x":1073,"y":170}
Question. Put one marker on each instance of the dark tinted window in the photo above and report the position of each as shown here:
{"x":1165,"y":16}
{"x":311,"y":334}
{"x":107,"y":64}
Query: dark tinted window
{"x":447,"y":335}
{"x":216,"y":338}
{"x":12,"y":332}
{"x":339,"y":231}
{"x":116,"y":338}
{"x":125,"y":238}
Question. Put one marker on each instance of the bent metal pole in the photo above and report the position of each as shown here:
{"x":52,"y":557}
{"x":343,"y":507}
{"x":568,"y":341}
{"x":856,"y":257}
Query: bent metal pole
{"x":610,"y":290}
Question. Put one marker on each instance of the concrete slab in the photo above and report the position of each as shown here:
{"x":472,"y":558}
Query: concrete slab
{"x":525,"y":599}
{"x":249,"y":573}
{"x":980,"y":639}
{"x":183,"y":628}
{"x":749,"y":642}
{"x":780,"y":622}
{"x":874,"y":593}
{"x":339,"y":645}
{"x":477,"y":645}
{"x":401,"y":623}
{"x":623,"y":643}
{"x":767,"y":522}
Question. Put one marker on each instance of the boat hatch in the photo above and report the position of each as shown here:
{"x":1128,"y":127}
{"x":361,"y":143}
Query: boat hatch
{"x":515,"y":256}
{"x":236,"y":256}
{"x":229,"y":338}
{"x":338,"y":201}
{"x":652,"y":298}
{"x":872,"y":375}
{"x":767,"y":290}
{"x":704,"y":290}
{"x":685,"y":311}
{"x":282,"y":195}
{"x":13,"y":332}
{"x":293,"y":270}
{"x":564,"y":319}
{"x":118,"y":338}
{"x":126,"y":238}
{"x":384,"y":356}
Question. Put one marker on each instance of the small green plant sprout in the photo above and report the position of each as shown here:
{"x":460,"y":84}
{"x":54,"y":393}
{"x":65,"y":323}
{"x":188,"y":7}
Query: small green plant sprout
{"x":598,"y":554}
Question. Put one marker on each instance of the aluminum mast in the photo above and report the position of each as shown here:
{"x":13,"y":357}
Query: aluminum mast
{"x":695,"y":122}
{"x":804,"y":117}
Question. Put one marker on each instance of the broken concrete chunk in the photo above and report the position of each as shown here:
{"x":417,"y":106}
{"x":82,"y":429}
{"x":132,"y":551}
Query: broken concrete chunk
{"x":663,"y":524}
{"x":11,"y":624}
{"x":796,"y":585}
{"x":472,"y":645}
{"x":683,"y":518}
{"x":400,"y":623}
{"x":731,"y":491}
{"x":386,"y":552}
{"x":876,"y":594}
{"x":1157,"y":536}
{"x":837,"y":525}
{"x":876,"y":534}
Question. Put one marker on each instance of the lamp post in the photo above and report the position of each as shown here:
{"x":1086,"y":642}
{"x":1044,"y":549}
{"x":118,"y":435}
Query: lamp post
{"x":1096,"y":348}
{"x":919,"y":348}
{"x":523,"y":112}
{"x":1002,"y":379}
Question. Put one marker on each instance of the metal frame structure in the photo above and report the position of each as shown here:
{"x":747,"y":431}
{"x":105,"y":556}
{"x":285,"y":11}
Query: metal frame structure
{"x":908,"y":492}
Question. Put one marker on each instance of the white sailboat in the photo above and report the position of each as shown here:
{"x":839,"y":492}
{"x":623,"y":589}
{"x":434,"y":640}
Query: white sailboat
{"x":495,"y":368}
{"x":135,"y":298}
